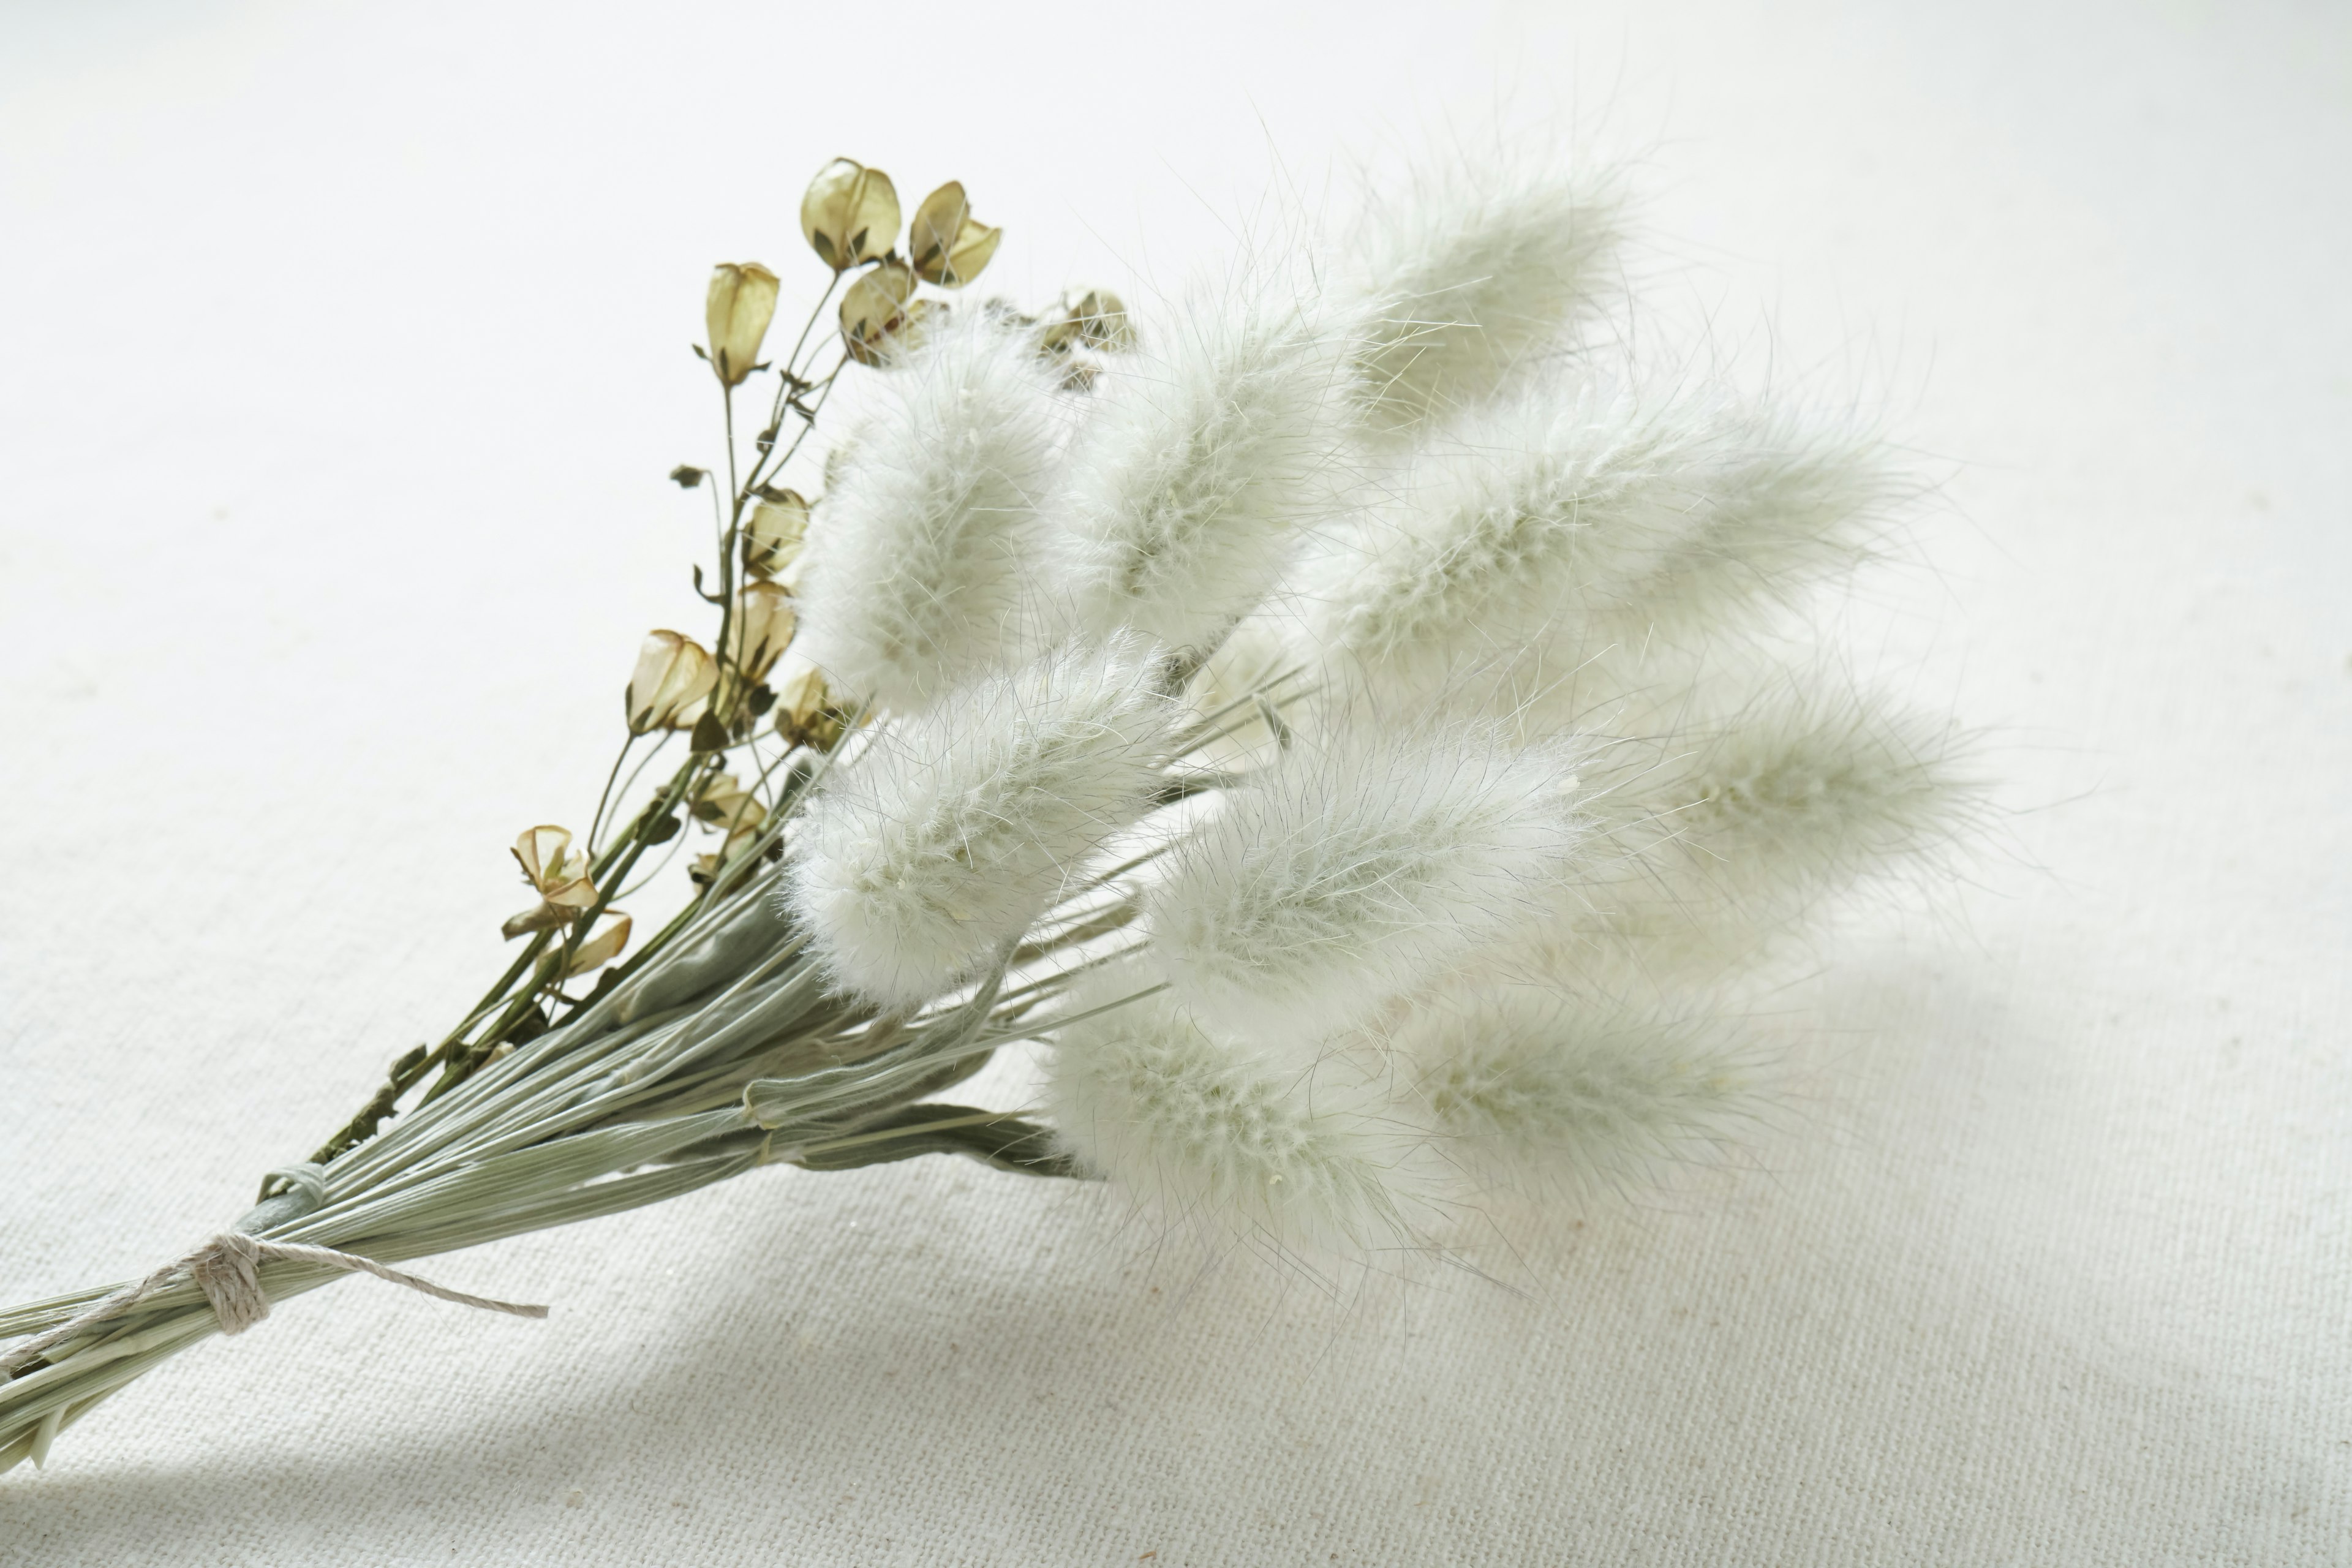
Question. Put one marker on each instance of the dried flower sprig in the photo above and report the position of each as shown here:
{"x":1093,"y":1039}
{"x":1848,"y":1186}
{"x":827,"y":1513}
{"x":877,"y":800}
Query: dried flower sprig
{"x":1094,"y":704}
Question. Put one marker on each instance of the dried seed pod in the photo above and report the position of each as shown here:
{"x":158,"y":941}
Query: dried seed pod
{"x":806,"y":714}
{"x":772,"y":536}
{"x":873,"y":308}
{"x":948,"y":246}
{"x":723,"y":802}
{"x":850,"y":213}
{"x":602,"y":948}
{"x":742,"y":302}
{"x":672,"y":684}
{"x":763,"y":626}
{"x":1089,"y":317}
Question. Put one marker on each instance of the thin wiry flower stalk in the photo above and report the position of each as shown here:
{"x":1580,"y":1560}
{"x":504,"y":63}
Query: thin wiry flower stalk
{"x":916,"y":567}
{"x":1354,"y":869}
{"x":1200,"y":462}
{"x":955,"y":830}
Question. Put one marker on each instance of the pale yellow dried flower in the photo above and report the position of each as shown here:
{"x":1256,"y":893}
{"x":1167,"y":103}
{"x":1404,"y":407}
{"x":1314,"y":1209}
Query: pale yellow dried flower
{"x":561,"y":878}
{"x":772,"y":535}
{"x":763,"y":627}
{"x":849,"y":214}
{"x":946,"y":244}
{"x":602,"y":948}
{"x":741,"y":304}
{"x":672,"y":684}
{"x":873,"y":309}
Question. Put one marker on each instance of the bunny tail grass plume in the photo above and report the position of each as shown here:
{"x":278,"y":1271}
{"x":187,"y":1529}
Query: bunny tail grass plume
{"x":956,"y":830}
{"x":1470,"y":271}
{"x":1757,"y":815}
{"x":1194,"y":471}
{"x":1354,"y":868}
{"x":1217,"y":1133}
{"x":916,"y":566}
{"x":1530,"y":1085}
{"x":1585,"y":519}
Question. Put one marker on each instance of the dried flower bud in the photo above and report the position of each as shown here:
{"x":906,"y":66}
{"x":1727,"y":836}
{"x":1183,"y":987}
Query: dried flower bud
{"x":850,"y":213}
{"x":742,"y":302}
{"x":763,"y":626}
{"x":772,"y":536}
{"x":672,"y":684}
{"x":705,"y":869}
{"x":723,"y":802}
{"x":948,"y":246}
{"x":602,"y":948}
{"x":544,"y":853}
{"x":1094,"y":318}
{"x":805,"y":711}
{"x":873,"y":309}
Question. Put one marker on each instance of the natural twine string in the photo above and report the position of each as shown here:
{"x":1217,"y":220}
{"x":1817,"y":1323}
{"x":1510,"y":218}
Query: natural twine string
{"x":227,"y":1271}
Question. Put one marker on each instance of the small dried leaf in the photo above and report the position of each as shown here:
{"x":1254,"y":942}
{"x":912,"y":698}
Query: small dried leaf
{"x":946,"y":244}
{"x":873,"y":308}
{"x":849,"y":214}
{"x":661,"y":830}
{"x":740,"y":303}
{"x":602,"y":948}
{"x":709,"y":735}
{"x":772,"y":535}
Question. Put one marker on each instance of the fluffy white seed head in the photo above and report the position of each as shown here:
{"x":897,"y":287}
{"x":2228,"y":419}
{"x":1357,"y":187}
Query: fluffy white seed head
{"x":1453,"y":283}
{"x":918,"y":560}
{"x":1357,"y":867}
{"x":1199,"y":464}
{"x":1579,"y":520}
{"x":1212,"y":1130}
{"x":1718,"y":839}
{"x":958,"y":828}
{"x":1530,"y":1085}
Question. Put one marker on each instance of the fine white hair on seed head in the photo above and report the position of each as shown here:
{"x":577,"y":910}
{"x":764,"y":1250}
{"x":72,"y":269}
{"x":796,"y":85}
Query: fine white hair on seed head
{"x":1531,"y":1086}
{"x":1453,"y":282}
{"x":1211,"y":1128}
{"x":1355,"y":868}
{"x":1201,"y":458}
{"x":957,"y":828}
{"x":1780,"y":790}
{"x":918,"y":560}
{"x":1575,"y":518}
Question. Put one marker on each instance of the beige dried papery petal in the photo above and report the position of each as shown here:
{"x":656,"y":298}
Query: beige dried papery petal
{"x":1102,"y":321}
{"x":541,"y":916}
{"x":801,"y":696}
{"x":724,"y":802}
{"x":873,"y":308}
{"x":573,"y":897}
{"x":741,"y":304}
{"x":672,"y":683}
{"x":763,"y":627}
{"x":541,"y":852}
{"x":946,"y":244}
{"x":602,"y":948}
{"x":772,"y":536}
{"x":849,"y":214}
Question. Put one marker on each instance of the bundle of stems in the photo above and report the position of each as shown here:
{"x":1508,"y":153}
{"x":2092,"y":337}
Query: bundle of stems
{"x":1355,"y":735}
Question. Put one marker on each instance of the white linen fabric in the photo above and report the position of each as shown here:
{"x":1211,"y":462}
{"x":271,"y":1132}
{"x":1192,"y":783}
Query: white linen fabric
{"x":342,"y":359}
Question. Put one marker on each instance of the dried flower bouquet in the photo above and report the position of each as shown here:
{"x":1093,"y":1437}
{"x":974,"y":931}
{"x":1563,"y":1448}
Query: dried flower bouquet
{"x":1342,"y":723}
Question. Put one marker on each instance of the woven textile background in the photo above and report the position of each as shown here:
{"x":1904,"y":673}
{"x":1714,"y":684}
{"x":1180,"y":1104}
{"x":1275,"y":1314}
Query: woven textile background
{"x":341,"y":356}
